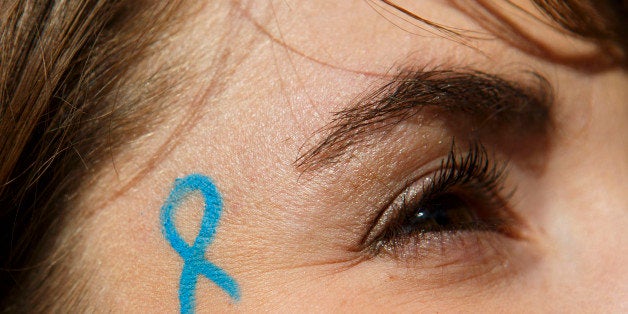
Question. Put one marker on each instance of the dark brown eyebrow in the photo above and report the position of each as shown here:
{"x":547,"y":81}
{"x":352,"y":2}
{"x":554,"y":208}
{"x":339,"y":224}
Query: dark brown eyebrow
{"x":484,"y":104}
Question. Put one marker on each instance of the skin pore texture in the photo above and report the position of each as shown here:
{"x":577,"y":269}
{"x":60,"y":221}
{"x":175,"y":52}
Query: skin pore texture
{"x":264,"y":80}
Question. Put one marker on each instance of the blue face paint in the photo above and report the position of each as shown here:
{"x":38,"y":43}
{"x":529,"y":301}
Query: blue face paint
{"x":194,"y":262}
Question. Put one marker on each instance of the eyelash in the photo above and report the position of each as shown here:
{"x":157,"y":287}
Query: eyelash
{"x":470,"y":180}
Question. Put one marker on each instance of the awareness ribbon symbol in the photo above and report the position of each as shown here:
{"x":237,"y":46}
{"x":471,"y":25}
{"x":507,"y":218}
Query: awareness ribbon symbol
{"x":194,"y":262}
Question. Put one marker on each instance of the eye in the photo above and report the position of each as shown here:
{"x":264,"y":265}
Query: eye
{"x":452,"y":211}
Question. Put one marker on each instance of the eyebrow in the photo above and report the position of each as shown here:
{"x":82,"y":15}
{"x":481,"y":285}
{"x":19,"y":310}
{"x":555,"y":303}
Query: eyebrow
{"x":485,"y":104}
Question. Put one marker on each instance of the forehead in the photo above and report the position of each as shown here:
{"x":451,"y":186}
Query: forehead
{"x":374,"y":36}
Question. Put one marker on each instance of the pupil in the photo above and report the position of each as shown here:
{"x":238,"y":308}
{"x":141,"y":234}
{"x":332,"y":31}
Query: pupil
{"x":440,"y":212}
{"x":444,"y":212}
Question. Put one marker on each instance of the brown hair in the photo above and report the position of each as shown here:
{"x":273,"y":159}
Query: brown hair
{"x":600,"y":22}
{"x":63,"y":67}
{"x":63,"y":109}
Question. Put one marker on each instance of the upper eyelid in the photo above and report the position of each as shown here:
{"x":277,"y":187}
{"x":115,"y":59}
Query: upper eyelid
{"x":413,"y":189}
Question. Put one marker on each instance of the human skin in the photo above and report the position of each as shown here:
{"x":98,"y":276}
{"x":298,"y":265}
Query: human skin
{"x":288,"y":234}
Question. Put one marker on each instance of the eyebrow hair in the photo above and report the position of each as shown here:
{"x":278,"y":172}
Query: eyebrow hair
{"x":484,"y":104}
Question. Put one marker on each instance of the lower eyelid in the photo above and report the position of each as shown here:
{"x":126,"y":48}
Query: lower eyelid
{"x":454,"y":256}
{"x":443,"y":247}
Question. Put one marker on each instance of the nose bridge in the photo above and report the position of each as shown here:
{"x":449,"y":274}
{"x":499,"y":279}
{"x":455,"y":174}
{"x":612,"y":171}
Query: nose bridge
{"x":582,"y":225}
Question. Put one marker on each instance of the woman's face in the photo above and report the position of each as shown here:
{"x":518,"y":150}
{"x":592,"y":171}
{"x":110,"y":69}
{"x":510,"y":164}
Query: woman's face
{"x":468,"y":184}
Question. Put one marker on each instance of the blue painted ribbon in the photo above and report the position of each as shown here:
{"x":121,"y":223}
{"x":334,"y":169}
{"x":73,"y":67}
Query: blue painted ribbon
{"x":194,"y":262}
